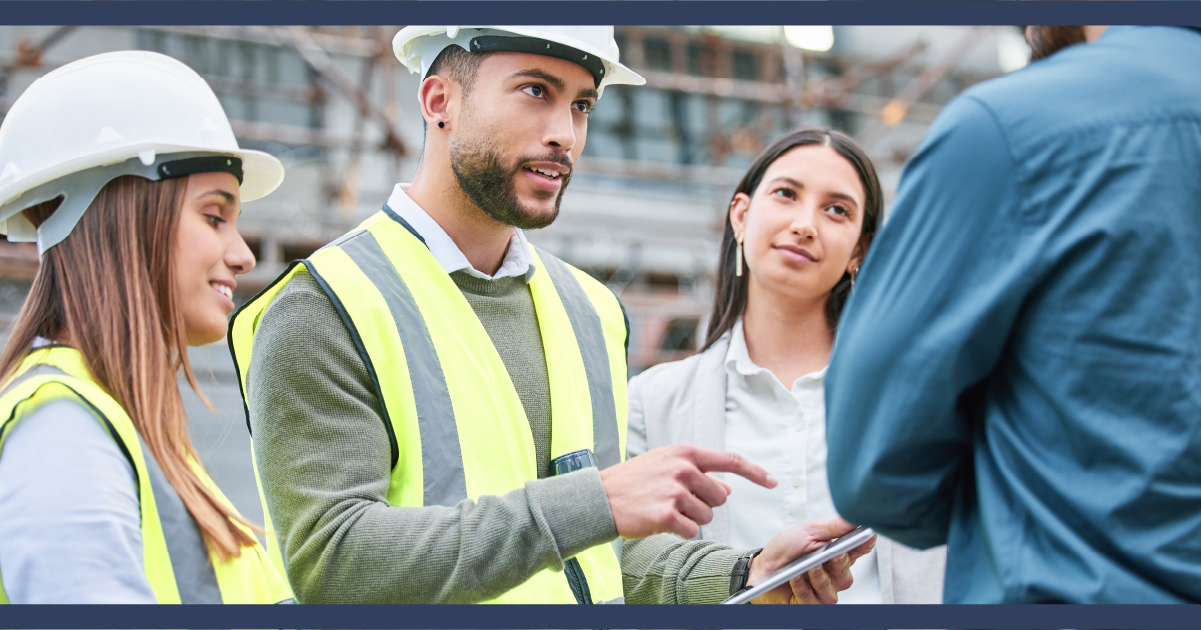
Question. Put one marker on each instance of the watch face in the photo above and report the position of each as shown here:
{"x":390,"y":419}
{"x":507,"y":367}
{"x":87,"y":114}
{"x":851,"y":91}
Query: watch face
{"x":572,"y":462}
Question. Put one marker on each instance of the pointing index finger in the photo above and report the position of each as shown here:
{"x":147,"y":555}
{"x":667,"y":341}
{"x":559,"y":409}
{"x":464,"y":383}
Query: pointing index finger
{"x":710,"y":460}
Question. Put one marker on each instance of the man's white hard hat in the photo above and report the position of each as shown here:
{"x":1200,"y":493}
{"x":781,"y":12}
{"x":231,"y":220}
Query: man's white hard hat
{"x":121,"y":113}
{"x":590,"y":46}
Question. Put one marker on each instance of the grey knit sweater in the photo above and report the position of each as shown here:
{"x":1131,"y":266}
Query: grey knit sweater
{"x":506,"y":309}
{"x":324,"y":461}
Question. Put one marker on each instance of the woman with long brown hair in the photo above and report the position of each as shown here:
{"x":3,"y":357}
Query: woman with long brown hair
{"x":798,"y":228}
{"x":123,"y":168}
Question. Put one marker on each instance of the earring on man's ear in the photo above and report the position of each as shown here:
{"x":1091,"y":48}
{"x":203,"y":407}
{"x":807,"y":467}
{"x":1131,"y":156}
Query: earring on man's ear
{"x":738,"y":255}
{"x":441,"y":125}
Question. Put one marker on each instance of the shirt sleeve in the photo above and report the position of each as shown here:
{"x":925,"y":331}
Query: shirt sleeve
{"x":70,"y":519}
{"x":933,"y":305}
{"x":325,"y":464}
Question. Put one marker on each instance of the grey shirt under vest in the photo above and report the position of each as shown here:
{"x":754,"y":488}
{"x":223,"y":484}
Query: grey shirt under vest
{"x":324,"y":461}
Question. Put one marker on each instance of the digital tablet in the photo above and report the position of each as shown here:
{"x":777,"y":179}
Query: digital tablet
{"x":803,"y":564}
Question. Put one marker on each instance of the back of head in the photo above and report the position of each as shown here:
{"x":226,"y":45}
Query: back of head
{"x":1149,"y":69}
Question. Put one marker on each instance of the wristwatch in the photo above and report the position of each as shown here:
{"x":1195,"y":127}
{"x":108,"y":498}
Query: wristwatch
{"x":742,"y":570}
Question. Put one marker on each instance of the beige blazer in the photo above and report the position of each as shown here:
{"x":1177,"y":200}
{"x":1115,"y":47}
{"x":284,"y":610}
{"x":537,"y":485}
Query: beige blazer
{"x":685,"y":401}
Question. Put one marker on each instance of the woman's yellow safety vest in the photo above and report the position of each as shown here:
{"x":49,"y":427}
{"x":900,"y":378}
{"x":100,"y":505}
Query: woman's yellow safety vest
{"x":456,"y":424}
{"x":56,"y":373}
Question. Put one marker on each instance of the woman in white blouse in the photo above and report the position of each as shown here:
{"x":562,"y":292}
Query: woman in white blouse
{"x":799,"y":226}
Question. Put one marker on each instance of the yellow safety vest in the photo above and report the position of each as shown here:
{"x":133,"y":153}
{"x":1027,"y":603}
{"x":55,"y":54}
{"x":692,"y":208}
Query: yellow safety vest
{"x":56,"y":373}
{"x":456,"y":424}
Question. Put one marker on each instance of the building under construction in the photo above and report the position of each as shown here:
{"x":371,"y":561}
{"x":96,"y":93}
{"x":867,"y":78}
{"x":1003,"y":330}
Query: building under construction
{"x":646,"y":206}
{"x":647,"y":202}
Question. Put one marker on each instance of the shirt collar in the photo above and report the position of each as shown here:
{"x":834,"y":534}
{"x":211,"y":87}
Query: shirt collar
{"x":738,"y":358}
{"x":517,"y":261}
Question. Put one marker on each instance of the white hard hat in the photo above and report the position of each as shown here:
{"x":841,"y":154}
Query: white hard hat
{"x":590,"y":46}
{"x":121,"y":113}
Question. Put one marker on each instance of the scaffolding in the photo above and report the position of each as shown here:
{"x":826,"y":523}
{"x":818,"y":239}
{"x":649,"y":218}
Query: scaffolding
{"x":330,"y":98}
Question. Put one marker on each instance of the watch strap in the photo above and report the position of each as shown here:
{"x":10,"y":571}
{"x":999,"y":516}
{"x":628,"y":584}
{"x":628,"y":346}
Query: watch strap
{"x":742,"y":570}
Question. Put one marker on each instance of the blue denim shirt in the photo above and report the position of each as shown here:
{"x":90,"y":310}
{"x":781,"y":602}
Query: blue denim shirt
{"x":1018,"y":370}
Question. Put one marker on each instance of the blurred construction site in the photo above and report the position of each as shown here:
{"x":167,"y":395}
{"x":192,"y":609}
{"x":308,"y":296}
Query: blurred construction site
{"x":647,"y":202}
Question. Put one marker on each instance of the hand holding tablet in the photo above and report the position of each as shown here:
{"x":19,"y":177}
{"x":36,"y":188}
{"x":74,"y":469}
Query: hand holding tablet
{"x":807,"y":564}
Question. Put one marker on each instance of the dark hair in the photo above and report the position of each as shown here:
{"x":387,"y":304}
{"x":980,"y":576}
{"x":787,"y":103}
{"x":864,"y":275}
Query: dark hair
{"x":730,"y":300}
{"x":458,"y":64}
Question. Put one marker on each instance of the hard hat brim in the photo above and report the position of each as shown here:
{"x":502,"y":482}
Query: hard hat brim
{"x":262,"y":173}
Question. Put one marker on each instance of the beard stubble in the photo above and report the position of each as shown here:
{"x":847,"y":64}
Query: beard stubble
{"x":491,"y":185}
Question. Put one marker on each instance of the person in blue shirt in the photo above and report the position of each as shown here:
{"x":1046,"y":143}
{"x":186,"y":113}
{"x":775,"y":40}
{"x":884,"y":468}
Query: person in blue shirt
{"x":1018,"y":369}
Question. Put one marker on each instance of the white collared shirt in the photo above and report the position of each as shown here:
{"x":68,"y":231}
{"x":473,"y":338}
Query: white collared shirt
{"x":784,"y":431}
{"x":517,"y":261}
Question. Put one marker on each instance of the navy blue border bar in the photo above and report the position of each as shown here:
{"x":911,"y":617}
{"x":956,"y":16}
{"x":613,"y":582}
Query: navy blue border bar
{"x":354,"y":12}
{"x":649,"y":12}
{"x":1134,"y":617}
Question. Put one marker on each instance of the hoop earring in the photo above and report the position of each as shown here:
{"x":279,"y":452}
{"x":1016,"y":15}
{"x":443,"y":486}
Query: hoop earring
{"x":738,"y":255}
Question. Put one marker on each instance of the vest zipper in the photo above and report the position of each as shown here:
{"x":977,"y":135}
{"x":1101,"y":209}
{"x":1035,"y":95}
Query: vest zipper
{"x":577,"y":581}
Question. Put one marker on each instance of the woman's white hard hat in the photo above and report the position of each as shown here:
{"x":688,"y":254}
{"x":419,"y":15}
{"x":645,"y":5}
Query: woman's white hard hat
{"x":417,"y":47}
{"x":121,"y":113}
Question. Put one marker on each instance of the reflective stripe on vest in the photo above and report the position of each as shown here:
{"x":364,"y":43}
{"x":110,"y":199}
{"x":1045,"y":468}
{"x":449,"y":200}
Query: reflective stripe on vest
{"x":178,"y":565}
{"x":467,"y":436}
{"x":442,"y":477}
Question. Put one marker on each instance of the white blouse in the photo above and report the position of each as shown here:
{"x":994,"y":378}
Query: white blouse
{"x":784,"y":431}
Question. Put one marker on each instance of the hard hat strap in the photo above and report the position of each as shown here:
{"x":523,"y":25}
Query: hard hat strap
{"x":206,"y":164}
{"x":535,"y":46}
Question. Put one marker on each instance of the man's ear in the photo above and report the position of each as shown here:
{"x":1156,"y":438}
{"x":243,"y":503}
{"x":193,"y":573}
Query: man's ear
{"x":439,"y":100}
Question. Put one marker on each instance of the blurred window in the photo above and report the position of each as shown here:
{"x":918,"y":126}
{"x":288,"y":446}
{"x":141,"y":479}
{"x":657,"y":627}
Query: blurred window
{"x":658,"y":54}
{"x":746,"y":65}
{"x":255,"y":82}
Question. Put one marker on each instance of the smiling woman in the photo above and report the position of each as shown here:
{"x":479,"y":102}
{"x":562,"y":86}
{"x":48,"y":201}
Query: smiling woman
{"x":215,"y":253}
{"x":103,"y":499}
{"x":800,"y":224}
{"x":838,"y":182}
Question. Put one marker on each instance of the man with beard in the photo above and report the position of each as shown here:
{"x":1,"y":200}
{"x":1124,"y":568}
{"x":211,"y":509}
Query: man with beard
{"x":438,"y":408}
{"x":1018,"y":370}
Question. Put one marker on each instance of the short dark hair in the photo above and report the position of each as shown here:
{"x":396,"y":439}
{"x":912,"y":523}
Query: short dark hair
{"x":730,"y":301}
{"x":456,"y":63}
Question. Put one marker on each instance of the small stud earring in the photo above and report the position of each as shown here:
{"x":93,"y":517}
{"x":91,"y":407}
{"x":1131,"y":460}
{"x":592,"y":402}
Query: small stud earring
{"x":441,"y":125}
{"x":738,"y":255}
